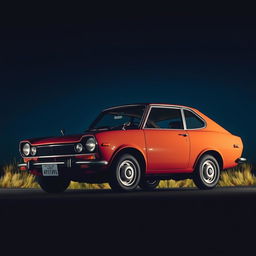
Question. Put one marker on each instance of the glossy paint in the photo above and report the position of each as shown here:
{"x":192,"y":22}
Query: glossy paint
{"x":167,"y":150}
{"x":164,"y":151}
{"x":56,"y":140}
{"x":119,"y":140}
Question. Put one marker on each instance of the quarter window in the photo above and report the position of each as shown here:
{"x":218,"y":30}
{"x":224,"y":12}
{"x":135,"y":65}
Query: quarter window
{"x":164,"y":118}
{"x":193,"y":121}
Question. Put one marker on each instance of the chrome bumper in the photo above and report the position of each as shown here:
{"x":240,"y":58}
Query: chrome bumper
{"x":67,"y":164}
{"x":241,"y":160}
{"x":22,"y":165}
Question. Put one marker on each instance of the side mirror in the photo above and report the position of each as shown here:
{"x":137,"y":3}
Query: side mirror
{"x":62,"y":131}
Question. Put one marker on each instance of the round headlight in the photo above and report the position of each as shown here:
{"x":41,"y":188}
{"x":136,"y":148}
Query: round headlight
{"x":26,"y":149}
{"x":79,"y":147}
{"x":90,"y":144}
{"x":33,"y":151}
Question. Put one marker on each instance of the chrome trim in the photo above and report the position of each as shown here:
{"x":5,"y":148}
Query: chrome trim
{"x":183,"y":134}
{"x":124,"y":106}
{"x":22,"y":165}
{"x":132,"y":105}
{"x":54,"y":156}
{"x":48,"y":163}
{"x":55,"y":145}
{"x":21,"y":142}
{"x":183,"y":119}
{"x":144,"y":116}
{"x":69,"y":163}
{"x":193,"y":112}
{"x":92,"y":162}
{"x":241,"y":160}
{"x":171,"y":107}
{"x":182,"y":114}
{"x":58,"y":145}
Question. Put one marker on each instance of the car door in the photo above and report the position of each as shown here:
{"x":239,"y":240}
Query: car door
{"x":167,"y":143}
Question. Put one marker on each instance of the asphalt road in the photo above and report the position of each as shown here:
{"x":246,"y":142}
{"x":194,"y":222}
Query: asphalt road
{"x":216,"y":222}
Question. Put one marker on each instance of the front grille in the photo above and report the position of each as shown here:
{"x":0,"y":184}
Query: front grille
{"x":53,"y":159}
{"x":55,"y":150}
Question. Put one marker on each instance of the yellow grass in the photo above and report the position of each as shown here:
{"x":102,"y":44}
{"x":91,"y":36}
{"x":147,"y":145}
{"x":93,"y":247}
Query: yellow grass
{"x":13,"y":178}
{"x":176,"y":184}
{"x":238,"y":176}
{"x":77,"y":185}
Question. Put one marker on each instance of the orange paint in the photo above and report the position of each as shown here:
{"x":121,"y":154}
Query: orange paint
{"x":164,"y":150}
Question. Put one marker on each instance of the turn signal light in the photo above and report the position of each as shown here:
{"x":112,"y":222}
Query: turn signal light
{"x":87,"y":157}
{"x":23,"y":168}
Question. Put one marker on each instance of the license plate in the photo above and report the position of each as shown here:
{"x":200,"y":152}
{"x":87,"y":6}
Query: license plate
{"x":50,"y":170}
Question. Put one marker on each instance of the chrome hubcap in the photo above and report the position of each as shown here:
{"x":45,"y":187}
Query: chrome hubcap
{"x":127,"y":173}
{"x":209,"y":171}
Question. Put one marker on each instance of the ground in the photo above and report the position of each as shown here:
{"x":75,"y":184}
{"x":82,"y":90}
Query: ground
{"x":187,"y":220}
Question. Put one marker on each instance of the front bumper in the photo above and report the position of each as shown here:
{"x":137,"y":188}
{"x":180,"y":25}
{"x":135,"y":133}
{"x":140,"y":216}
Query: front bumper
{"x":241,"y":160}
{"x":65,"y":164}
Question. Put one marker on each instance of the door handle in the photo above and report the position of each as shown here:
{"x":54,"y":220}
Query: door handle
{"x":183,"y":134}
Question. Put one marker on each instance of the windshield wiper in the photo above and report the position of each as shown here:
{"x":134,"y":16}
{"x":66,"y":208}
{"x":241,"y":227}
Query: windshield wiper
{"x":123,"y":126}
{"x":127,"y":124}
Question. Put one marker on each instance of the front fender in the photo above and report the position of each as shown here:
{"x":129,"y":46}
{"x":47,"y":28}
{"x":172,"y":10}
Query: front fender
{"x":128,"y":148}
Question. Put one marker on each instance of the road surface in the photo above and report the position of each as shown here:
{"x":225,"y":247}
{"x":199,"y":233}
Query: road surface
{"x":187,"y":220}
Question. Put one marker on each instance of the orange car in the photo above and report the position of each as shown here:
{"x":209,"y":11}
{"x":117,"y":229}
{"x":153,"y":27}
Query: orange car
{"x":135,"y":145}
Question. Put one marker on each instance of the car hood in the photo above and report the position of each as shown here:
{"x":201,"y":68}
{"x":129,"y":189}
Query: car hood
{"x":58,"y":139}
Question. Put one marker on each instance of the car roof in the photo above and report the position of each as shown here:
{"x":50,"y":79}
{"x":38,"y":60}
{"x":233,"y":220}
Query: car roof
{"x":149,"y":104}
{"x":211,"y":125}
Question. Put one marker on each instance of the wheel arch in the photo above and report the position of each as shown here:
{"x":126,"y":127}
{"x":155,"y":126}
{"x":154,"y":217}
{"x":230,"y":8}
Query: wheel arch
{"x":213,"y":153}
{"x":134,"y":152}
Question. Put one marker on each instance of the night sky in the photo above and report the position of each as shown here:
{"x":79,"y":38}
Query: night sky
{"x":62,"y":74}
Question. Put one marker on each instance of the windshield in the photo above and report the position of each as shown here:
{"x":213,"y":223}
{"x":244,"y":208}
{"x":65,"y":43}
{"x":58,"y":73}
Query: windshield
{"x":119,"y":118}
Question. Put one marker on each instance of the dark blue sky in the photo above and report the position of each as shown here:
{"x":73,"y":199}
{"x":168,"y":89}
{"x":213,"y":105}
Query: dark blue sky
{"x":56,"y":75}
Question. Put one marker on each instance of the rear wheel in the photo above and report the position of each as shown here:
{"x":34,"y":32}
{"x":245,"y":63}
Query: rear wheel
{"x":149,"y":184}
{"x":53,"y":184}
{"x":207,"y":172}
{"x":125,"y":173}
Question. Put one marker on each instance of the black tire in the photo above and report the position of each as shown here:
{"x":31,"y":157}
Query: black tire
{"x":53,"y":184}
{"x":125,"y":173}
{"x":207,"y":172}
{"x":149,"y":184}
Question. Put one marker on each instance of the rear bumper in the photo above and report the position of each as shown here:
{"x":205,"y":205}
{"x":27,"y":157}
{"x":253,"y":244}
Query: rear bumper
{"x":241,"y":160}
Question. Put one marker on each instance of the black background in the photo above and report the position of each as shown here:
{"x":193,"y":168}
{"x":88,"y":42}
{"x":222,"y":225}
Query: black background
{"x":60,"y":68}
{"x":60,"y":65}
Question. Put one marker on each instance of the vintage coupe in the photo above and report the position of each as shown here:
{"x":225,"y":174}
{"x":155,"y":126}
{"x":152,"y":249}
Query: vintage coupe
{"x":135,"y":145}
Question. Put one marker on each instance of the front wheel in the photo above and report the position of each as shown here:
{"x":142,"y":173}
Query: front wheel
{"x":53,"y":184}
{"x":207,"y":172}
{"x":125,"y":173}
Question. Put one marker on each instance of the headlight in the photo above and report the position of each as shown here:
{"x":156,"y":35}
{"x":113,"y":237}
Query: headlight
{"x":79,"y":147}
{"x":26,"y":149}
{"x":90,"y":144}
{"x":33,"y":151}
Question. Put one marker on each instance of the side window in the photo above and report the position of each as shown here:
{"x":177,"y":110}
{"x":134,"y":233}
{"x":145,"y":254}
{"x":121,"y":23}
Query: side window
{"x":164,"y":118}
{"x":193,"y":121}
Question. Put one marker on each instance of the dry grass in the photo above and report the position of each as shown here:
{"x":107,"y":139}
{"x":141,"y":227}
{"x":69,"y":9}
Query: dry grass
{"x":77,"y":185}
{"x":176,"y":184}
{"x":13,"y":178}
{"x":238,"y":176}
